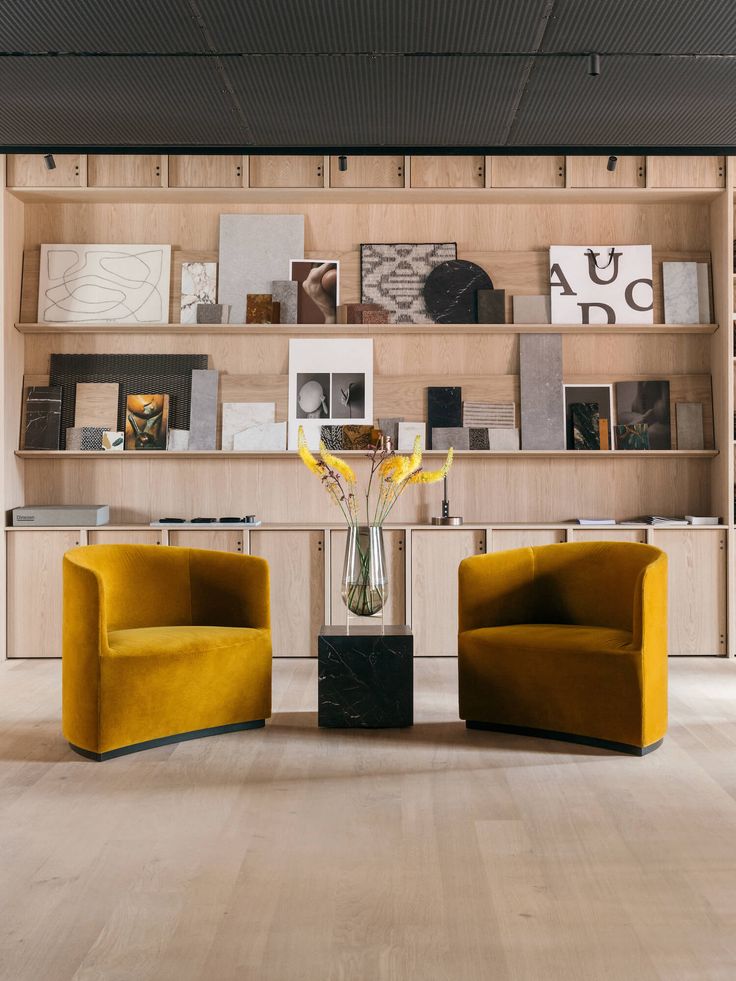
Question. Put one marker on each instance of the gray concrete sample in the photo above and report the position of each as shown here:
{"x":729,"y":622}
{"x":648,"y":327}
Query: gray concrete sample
{"x":532,"y":309}
{"x":689,"y":416}
{"x":286,"y":292}
{"x":203,"y":416}
{"x":542,"y":401}
{"x":444,"y":437}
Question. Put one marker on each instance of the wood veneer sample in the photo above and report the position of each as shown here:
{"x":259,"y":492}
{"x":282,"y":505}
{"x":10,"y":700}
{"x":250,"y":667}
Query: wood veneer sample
{"x":96,"y":404}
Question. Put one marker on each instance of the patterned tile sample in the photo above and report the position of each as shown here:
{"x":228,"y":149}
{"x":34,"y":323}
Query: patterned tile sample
{"x":393,"y":276}
{"x":198,"y":285}
{"x":493,"y":415}
{"x":85,"y":437}
{"x":478,"y":439}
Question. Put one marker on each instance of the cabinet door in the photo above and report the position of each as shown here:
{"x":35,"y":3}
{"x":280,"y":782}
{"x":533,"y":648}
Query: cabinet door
{"x":395,"y":609}
{"x":297,"y":563}
{"x":368,"y":172}
{"x":123,"y":170}
{"x":697,"y":589}
{"x":594,"y":172}
{"x":114,"y":536}
{"x":609,"y":535}
{"x":206,"y":171}
{"x":273,"y":170}
{"x":29,"y":170}
{"x":449,"y":171}
{"x":35,"y":591}
{"x":528,"y":172}
{"x":686,"y":171}
{"x":435,"y":557}
{"x":218,"y":539}
{"x":505,"y":538}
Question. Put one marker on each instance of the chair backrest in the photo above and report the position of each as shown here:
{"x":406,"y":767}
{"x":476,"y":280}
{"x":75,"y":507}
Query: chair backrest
{"x":589,"y":583}
{"x":142,"y":585}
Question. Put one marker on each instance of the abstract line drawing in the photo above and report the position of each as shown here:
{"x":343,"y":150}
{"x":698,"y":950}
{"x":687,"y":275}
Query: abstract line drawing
{"x":115,"y":284}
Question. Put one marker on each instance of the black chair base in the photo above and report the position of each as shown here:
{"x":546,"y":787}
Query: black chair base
{"x":166,"y":740}
{"x":567,"y":737}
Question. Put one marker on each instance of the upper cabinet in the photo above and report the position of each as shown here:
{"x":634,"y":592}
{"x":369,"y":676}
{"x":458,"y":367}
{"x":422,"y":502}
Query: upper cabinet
{"x":367,"y":172}
{"x":206,"y":170}
{"x":29,"y":170}
{"x":594,"y":172}
{"x":124,"y":170}
{"x":527,"y":171}
{"x":449,"y":171}
{"x":275,"y":170}
{"x":686,"y":171}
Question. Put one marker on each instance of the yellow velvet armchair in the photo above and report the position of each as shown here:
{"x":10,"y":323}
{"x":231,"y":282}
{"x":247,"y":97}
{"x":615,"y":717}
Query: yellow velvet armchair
{"x":566,"y":641}
{"x":162,"y":644}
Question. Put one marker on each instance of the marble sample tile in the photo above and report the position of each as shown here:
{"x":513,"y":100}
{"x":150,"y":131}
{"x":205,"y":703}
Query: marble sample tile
{"x":203,"y":415}
{"x":42,"y":418}
{"x":374,"y":317}
{"x":254,"y":251}
{"x":451,"y":291}
{"x":502,"y":440}
{"x":444,"y":437}
{"x":179,"y":440}
{"x":237,"y":416}
{"x":491,"y":306}
{"x":689,"y":418}
{"x":408,"y":431}
{"x":113,"y":441}
{"x":365,"y":677}
{"x":198,"y":285}
{"x":542,"y":401}
{"x":393,"y":275}
{"x":213,"y":313}
{"x":87,"y":438}
{"x":261,"y":309}
{"x":96,"y":404}
{"x":532,"y":309}
{"x":390,"y":428}
{"x":585,"y":417}
{"x":263,"y":437}
{"x":444,"y":409}
{"x":680,"y":287}
{"x":704,"y":307}
{"x":285,"y":292}
{"x":494,"y":415}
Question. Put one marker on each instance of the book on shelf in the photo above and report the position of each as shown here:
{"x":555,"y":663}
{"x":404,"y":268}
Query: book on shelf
{"x":695,"y":519}
{"x":595,"y":522}
{"x":663,"y":519}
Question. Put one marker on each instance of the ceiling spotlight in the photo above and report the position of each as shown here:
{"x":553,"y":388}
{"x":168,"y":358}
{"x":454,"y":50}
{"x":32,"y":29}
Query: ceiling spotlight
{"x":612,"y":161}
{"x":49,"y":162}
{"x":594,"y":64}
{"x":342,"y":162}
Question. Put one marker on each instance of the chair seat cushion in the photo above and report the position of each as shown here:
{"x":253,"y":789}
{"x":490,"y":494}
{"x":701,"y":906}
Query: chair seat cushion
{"x":162,"y":641}
{"x":552,"y":638}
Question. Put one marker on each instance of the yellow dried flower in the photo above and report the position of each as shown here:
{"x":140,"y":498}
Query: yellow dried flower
{"x":432,"y":476}
{"x":415,"y":460}
{"x":336,"y":464}
{"x":307,"y":458}
{"x":388,"y":466}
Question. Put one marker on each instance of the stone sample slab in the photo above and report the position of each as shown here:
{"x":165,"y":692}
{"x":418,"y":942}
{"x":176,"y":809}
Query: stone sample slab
{"x":203,"y":416}
{"x":542,"y":402}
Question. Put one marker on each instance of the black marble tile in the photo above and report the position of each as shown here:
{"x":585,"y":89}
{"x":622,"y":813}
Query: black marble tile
{"x":586,"y":434}
{"x":366,"y":677}
{"x":491,"y":306}
{"x":444,"y":409}
{"x":42,"y":426}
{"x":450,"y":291}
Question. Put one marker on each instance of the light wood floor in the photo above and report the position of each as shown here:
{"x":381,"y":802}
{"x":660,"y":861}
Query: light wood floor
{"x":298,"y":854}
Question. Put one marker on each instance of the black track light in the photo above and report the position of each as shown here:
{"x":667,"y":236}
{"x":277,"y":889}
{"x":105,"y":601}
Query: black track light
{"x":594,"y":64}
{"x":49,"y":162}
{"x":342,"y":162}
{"x":612,"y":162}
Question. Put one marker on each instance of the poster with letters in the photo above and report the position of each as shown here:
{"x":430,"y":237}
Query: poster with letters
{"x":601,"y":284}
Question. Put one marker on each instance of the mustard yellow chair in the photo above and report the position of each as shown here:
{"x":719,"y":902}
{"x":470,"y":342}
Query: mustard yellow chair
{"x":568,"y":642}
{"x":162,"y":644}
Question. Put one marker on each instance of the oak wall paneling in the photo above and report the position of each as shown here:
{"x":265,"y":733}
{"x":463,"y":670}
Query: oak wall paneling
{"x":686,"y":171}
{"x":29,"y":170}
{"x":516,"y":171}
{"x":201,"y":170}
{"x":368,"y":172}
{"x":448,"y":171}
{"x":280,"y":170}
{"x":593,"y":172}
{"x":123,"y":170}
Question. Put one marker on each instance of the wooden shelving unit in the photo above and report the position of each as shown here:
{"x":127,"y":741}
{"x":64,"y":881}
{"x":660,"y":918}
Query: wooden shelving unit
{"x":507,"y":499}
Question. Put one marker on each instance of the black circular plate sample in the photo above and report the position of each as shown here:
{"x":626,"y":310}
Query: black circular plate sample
{"x":449,"y":291}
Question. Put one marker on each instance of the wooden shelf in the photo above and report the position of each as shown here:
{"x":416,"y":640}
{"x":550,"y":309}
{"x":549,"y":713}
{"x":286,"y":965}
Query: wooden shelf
{"x":141,"y":455}
{"x":354,"y":330}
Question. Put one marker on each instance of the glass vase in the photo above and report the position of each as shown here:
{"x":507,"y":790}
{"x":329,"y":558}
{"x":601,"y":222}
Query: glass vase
{"x":364,"y":581}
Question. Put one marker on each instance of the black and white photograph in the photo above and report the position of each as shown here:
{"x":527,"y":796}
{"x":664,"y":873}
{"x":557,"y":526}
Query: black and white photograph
{"x":646,"y":402}
{"x":312,"y":396}
{"x":330,"y":383}
{"x":348,"y":395}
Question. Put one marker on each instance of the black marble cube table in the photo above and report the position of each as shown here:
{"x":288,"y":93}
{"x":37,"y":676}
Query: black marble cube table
{"x":366,"y":677}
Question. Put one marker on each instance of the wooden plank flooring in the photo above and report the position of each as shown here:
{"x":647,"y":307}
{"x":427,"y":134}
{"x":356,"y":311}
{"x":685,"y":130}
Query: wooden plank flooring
{"x":436,"y":854}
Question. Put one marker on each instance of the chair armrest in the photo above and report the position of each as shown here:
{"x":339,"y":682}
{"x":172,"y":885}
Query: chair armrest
{"x":84,"y":637}
{"x":496,"y":589}
{"x":649,"y":631}
{"x":229,"y":590}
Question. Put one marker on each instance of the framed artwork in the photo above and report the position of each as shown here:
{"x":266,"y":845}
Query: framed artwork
{"x":330,"y":383}
{"x":589,"y":421}
{"x":146,"y":422}
{"x":104,"y":284}
{"x":318,"y":294}
{"x":646,"y":405}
